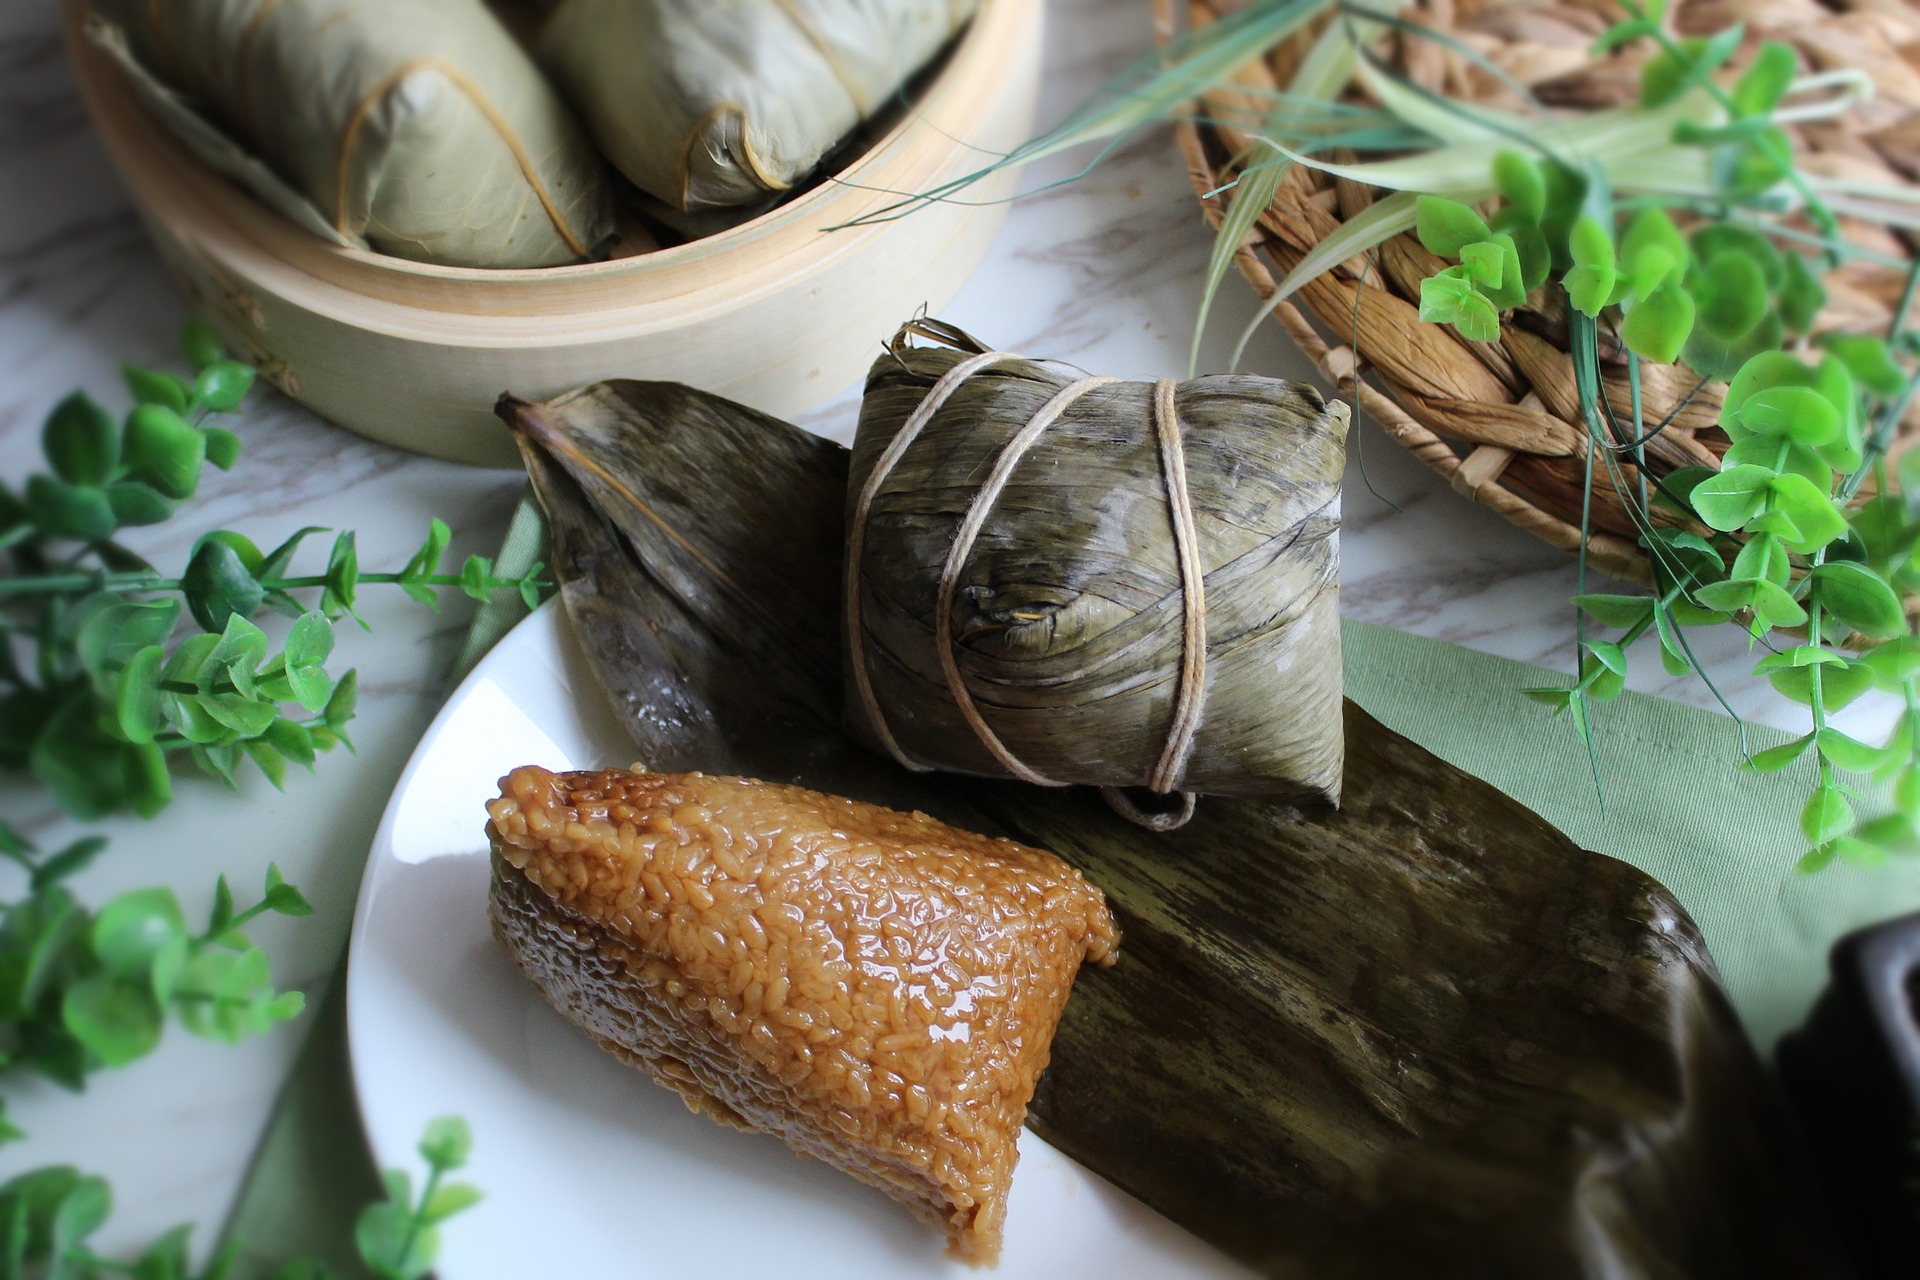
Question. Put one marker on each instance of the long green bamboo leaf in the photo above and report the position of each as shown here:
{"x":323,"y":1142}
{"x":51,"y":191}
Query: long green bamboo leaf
{"x":1152,"y":89}
{"x":1251,"y":196}
{"x":1369,"y":229}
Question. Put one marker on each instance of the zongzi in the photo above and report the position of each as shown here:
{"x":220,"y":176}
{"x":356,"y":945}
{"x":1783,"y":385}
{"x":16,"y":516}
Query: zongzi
{"x":418,"y":128}
{"x":1080,"y":580}
{"x":879,"y":989}
{"x":712,"y":104}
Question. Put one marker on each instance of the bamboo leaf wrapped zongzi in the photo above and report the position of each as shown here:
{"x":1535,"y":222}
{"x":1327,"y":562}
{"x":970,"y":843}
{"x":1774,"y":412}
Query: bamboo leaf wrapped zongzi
{"x":418,"y":128}
{"x":712,"y":104}
{"x":1081,"y":580}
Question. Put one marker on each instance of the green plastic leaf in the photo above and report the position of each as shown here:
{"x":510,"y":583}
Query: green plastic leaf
{"x":242,"y":646}
{"x":1507,"y":288}
{"x":1444,"y":295}
{"x":133,"y":928}
{"x":311,"y":686}
{"x":83,"y":1210}
{"x":1763,"y":557}
{"x":1801,"y":295}
{"x":275,"y":562}
{"x":149,"y":786}
{"x":1447,"y":226}
{"x":1521,"y":186}
{"x":136,"y":703}
{"x":80,"y":512}
{"x":1732,"y":293}
{"x":476,"y":575}
{"x":293,"y":740}
{"x":1478,"y":321}
{"x":155,"y":387}
{"x":223,"y":384}
{"x":1906,"y":792}
{"x":1610,"y":655}
{"x":448,"y":1199}
{"x":1773,"y":606}
{"x":1851,"y":754}
{"x":1799,"y":414}
{"x":1589,"y":282}
{"x":81,"y":441}
{"x":116,"y":1018}
{"x":1894,"y":662}
{"x":1868,"y":359}
{"x":269,"y":761}
{"x":1728,"y":500}
{"x":341,"y":705}
{"x":1840,"y":685}
{"x":1781,"y":455}
{"x":200,"y":343}
{"x":1485,"y":264}
{"x":391,"y":1245}
{"x":1652,"y":229}
{"x":1709,"y":242}
{"x":1535,"y":257}
{"x":1719,"y":360}
{"x":238,"y":713}
{"x":282,"y":898}
{"x":1765,"y":81}
{"x":1860,"y":598}
{"x":1615,"y":611}
{"x":1604,"y":682}
{"x":1894,"y":832}
{"x":218,"y":586}
{"x":1764,"y":370}
{"x":309,"y":641}
{"x":1805,"y":655}
{"x":223,"y":447}
{"x":343,"y":577}
{"x":1760,"y":161}
{"x":1816,"y":859}
{"x":1827,"y":815}
{"x":446,"y":1143}
{"x":1813,"y":514}
{"x":165,"y":449}
{"x":426,"y":561}
{"x":1657,"y":327}
{"x":135,"y":504}
{"x":1774,"y":759}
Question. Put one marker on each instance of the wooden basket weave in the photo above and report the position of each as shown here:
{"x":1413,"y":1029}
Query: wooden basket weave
{"x":1501,"y":420}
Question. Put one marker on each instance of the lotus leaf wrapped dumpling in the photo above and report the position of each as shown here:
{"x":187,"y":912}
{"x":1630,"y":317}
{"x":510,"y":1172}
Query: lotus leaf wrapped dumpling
{"x":1075,"y":580}
{"x":418,"y":128}
{"x":712,"y":104}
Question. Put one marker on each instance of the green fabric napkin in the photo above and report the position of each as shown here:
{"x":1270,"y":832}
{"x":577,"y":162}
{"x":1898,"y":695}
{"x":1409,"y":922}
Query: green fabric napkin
{"x":1724,"y":841}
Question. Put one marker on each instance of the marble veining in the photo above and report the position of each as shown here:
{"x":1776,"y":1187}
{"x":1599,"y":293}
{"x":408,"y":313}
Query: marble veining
{"x":1104,"y":272}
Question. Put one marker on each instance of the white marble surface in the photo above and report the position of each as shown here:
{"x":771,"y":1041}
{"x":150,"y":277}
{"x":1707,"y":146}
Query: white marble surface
{"x":1104,"y":272}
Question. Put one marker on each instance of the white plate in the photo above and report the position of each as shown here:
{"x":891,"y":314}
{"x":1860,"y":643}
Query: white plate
{"x":589,"y":1168}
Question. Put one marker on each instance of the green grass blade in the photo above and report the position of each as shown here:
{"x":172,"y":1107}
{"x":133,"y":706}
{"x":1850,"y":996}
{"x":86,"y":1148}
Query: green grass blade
{"x":1372,"y":227}
{"x":1251,"y":196}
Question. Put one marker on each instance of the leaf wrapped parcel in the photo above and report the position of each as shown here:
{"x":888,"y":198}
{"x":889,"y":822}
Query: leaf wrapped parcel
{"x":1082,"y":580}
{"x":1424,"y":1034}
{"x":712,"y":104}
{"x":418,"y":128}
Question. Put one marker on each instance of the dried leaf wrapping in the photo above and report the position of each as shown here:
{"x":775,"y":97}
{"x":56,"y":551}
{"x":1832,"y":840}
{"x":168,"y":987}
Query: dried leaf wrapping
{"x":709,"y":106}
{"x":1068,"y":613}
{"x":1425,"y":1033}
{"x":416,"y":127}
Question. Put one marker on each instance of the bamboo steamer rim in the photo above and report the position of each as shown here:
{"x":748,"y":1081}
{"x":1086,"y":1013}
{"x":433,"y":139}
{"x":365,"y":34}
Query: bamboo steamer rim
{"x":1497,"y":421}
{"x":612,"y":298}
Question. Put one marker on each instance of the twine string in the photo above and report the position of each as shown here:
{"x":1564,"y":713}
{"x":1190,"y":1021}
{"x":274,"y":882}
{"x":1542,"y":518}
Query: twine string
{"x":936,"y":397}
{"x":1170,"y":769}
{"x":963,"y":539}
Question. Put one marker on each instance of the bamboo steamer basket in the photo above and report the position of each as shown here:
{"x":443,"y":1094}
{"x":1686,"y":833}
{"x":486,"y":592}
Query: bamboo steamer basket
{"x":778,"y":313}
{"x":1501,"y":421}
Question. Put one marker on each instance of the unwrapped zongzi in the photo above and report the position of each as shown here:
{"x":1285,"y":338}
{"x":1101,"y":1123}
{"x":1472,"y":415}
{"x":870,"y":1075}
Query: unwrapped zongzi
{"x":415,"y":127}
{"x":1082,"y":580}
{"x":712,"y":104}
{"x":878,"y":989}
